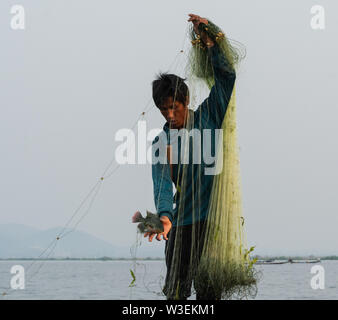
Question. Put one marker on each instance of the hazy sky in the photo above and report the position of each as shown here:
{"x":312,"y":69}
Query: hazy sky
{"x":81,"y":70}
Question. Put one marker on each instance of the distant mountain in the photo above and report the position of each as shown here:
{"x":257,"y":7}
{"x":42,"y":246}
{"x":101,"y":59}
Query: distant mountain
{"x":20,"y":241}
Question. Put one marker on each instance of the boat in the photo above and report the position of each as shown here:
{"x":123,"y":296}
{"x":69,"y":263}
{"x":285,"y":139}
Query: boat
{"x":272,"y":261}
{"x":306,"y":261}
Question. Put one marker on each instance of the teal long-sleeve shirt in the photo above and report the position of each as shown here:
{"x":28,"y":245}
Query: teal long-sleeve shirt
{"x":198,"y":185}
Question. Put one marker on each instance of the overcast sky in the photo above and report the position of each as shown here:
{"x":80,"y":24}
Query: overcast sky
{"x":81,"y":70}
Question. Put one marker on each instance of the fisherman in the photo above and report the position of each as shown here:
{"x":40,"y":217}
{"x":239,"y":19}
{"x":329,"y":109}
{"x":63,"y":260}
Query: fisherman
{"x":171,"y":96}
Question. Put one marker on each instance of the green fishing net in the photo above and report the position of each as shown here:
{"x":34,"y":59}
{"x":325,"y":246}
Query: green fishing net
{"x":220,"y":264}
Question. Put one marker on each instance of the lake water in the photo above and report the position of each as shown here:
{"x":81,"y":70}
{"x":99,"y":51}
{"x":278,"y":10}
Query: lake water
{"x":111,"y":279}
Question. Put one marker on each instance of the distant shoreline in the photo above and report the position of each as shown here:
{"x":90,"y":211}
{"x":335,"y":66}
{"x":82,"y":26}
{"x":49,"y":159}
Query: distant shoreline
{"x":311,"y":257}
{"x":81,"y":259}
{"x":160,"y":259}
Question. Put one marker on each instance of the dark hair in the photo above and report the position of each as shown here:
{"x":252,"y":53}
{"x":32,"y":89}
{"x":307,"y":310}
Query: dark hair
{"x":169,"y":85}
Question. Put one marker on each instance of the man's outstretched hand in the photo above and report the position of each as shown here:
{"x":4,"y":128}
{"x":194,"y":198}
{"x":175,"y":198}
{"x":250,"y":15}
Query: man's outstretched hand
{"x":166,"y":228}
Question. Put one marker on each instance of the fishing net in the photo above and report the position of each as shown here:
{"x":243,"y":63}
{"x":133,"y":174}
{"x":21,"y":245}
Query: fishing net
{"x":207,"y":244}
{"x":225,"y":267}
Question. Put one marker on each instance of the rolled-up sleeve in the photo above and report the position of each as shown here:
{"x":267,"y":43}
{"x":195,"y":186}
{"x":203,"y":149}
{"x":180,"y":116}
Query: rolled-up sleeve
{"x":216,"y":104}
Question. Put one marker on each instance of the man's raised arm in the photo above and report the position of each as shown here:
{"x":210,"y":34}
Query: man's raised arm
{"x":215,"y":106}
{"x":220,"y":94}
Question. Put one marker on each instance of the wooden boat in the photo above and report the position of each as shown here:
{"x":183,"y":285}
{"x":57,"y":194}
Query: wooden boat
{"x":305,"y":261}
{"x":271,"y":261}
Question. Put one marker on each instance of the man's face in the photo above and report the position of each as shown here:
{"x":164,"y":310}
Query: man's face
{"x":174,"y":112}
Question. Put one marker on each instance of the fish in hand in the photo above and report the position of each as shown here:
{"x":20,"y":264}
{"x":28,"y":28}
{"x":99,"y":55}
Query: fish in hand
{"x":151,"y":223}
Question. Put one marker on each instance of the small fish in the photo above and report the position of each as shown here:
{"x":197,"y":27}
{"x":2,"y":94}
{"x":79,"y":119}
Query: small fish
{"x":151,"y":223}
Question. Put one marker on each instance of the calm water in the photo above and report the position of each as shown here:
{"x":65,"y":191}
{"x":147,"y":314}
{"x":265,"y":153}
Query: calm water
{"x":111,"y":279}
